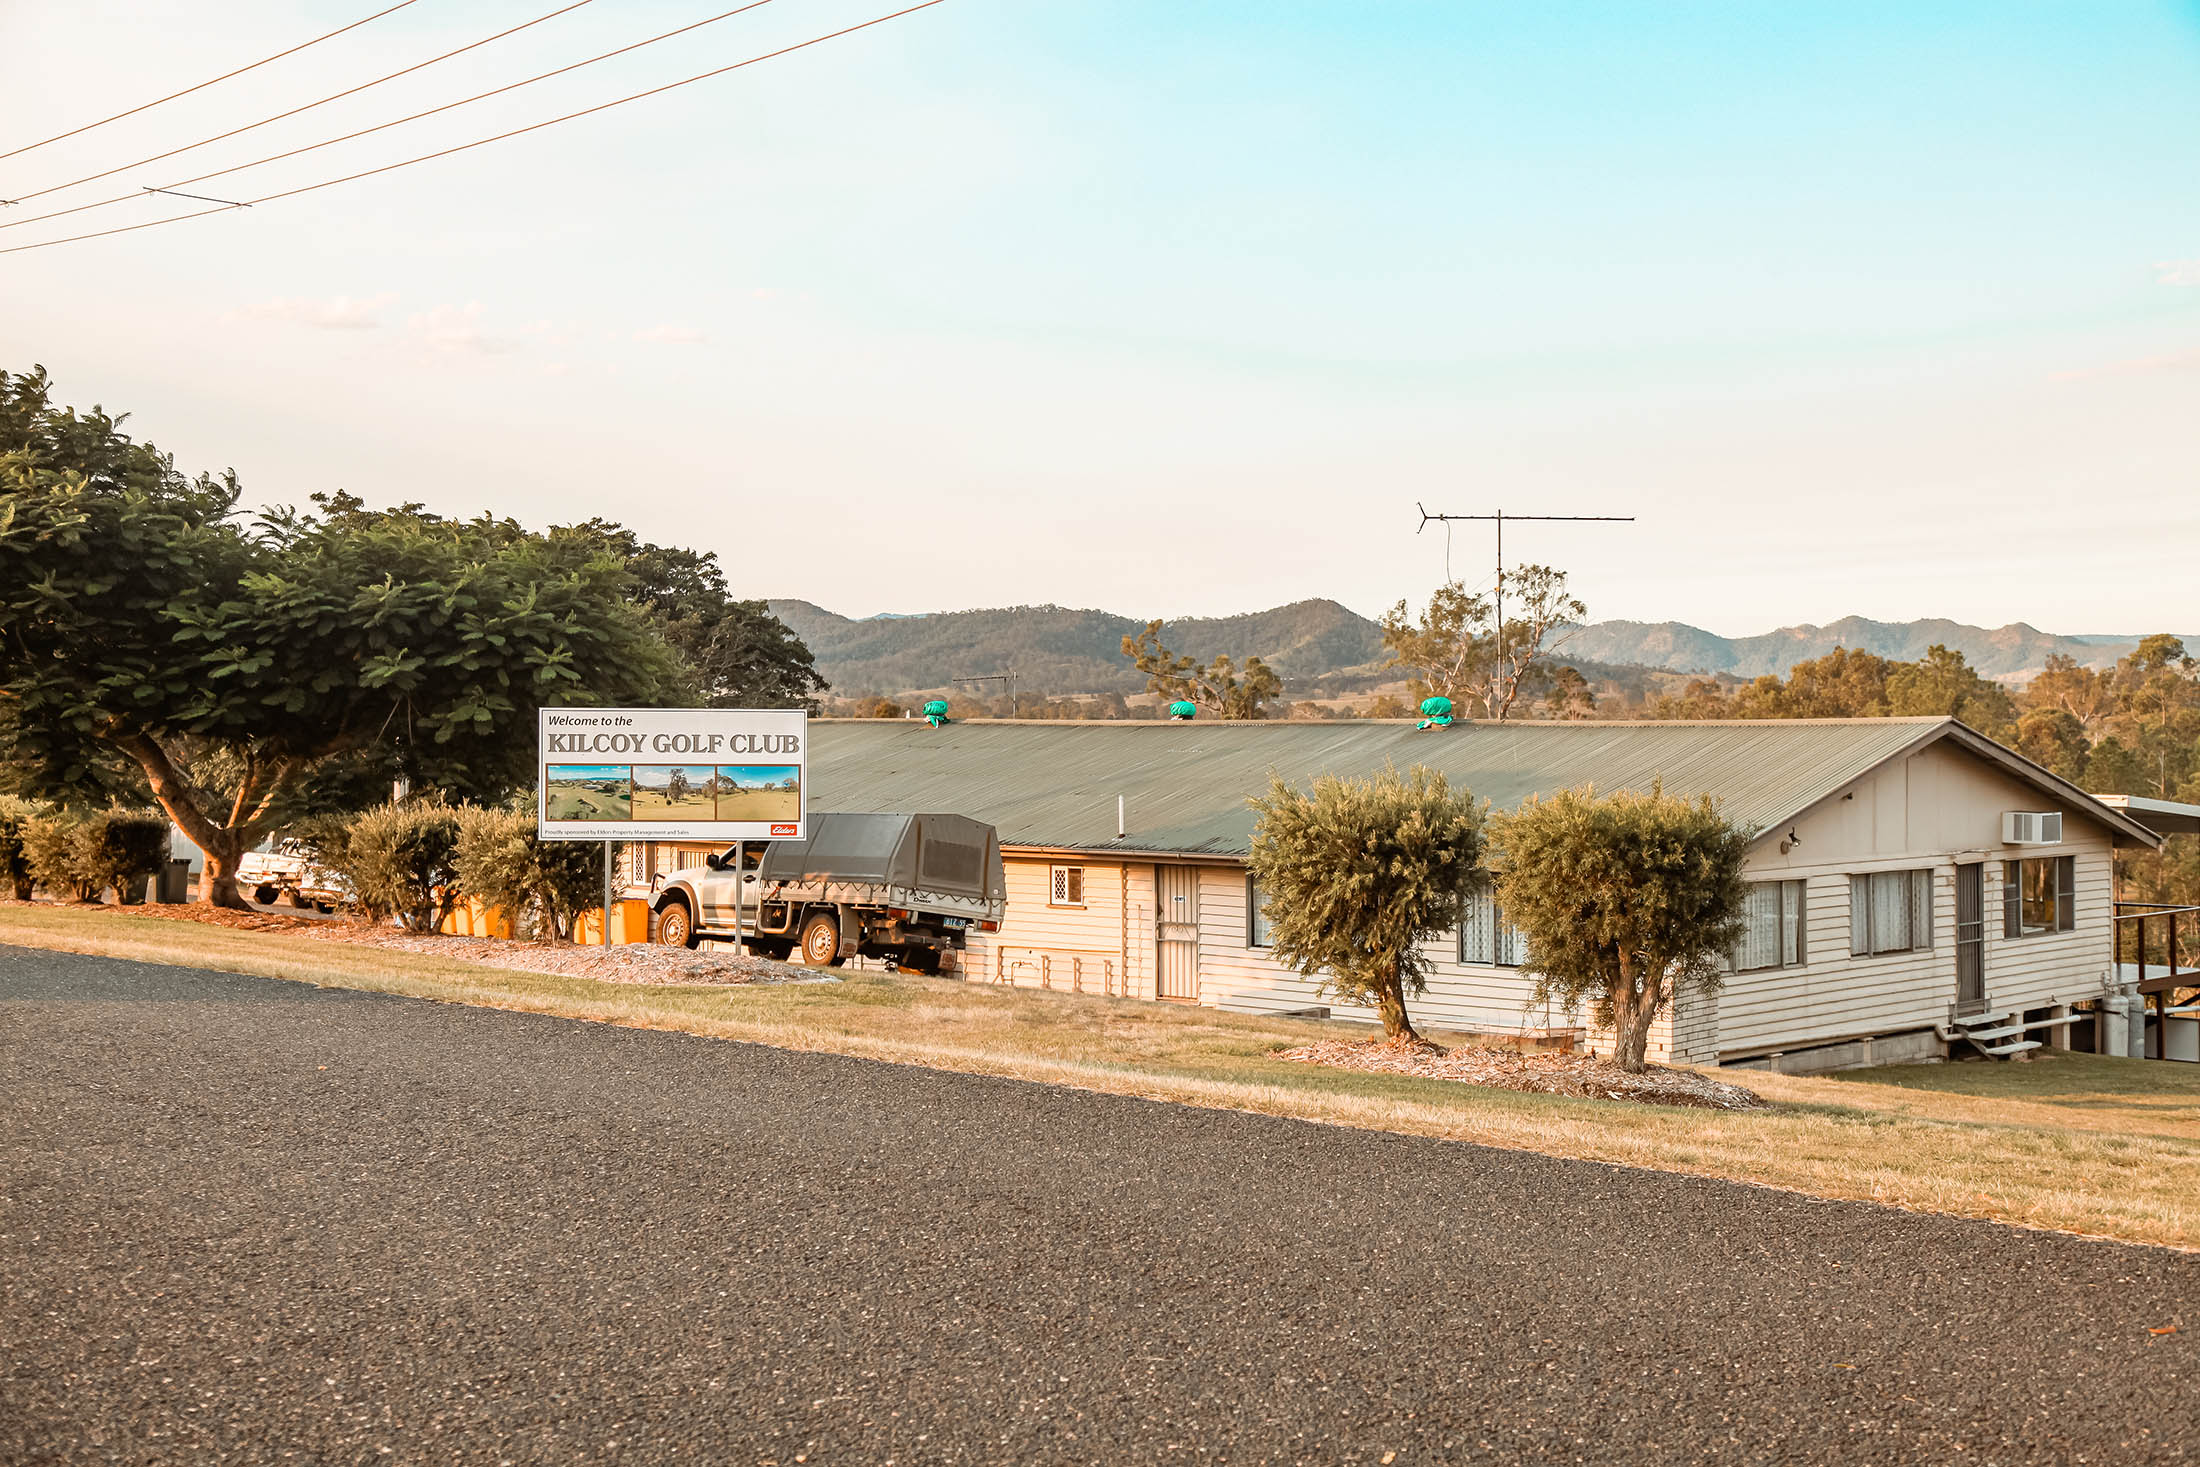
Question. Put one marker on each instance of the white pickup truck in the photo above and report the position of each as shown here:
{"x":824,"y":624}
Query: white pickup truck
{"x":290,"y":869}
{"x":909,"y":888}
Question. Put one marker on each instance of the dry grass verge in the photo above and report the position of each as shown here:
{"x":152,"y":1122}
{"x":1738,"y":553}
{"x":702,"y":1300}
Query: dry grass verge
{"x":2078,"y":1143}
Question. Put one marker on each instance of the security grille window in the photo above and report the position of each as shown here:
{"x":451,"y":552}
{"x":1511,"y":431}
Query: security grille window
{"x":1485,"y":937}
{"x":2039,"y":895}
{"x":1772,"y":927}
{"x":1069,"y":887}
{"x":1256,"y":915}
{"x":1890,"y":912}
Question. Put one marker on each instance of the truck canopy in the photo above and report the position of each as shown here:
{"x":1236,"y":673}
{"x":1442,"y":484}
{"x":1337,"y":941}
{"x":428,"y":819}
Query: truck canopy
{"x":949,"y":854}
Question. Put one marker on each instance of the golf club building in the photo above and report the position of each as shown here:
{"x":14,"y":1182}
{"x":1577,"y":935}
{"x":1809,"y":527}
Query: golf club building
{"x":1910,"y":878}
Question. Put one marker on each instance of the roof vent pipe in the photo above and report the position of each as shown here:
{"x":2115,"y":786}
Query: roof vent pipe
{"x":1119,"y":826}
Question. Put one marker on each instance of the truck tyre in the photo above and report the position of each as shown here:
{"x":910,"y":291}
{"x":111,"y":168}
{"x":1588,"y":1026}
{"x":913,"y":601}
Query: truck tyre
{"x":821,"y":941}
{"x":676,"y":925}
{"x":265,"y":895}
{"x":300,"y":900}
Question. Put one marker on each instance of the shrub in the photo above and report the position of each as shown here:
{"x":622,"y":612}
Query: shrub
{"x":55,"y":847}
{"x":1358,"y":874}
{"x":124,"y":849}
{"x":15,"y":866}
{"x":401,"y":861}
{"x":1624,"y":899}
{"x":502,"y":863}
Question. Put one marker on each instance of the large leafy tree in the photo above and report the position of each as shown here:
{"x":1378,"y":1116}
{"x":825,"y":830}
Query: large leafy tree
{"x":737,"y":654}
{"x":1358,"y":874}
{"x":1217,"y":687}
{"x":1456,"y":648}
{"x":151,"y":632}
{"x":1621,"y":899}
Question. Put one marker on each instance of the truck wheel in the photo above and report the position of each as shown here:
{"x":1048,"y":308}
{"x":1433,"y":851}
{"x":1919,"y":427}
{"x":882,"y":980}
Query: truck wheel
{"x":265,"y":895}
{"x":676,"y":925}
{"x":821,"y":941}
{"x":300,"y":900}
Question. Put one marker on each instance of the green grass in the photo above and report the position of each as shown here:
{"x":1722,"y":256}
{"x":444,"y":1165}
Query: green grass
{"x":2074,"y":1142}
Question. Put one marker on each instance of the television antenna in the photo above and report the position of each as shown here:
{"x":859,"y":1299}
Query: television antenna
{"x":1499,"y":516}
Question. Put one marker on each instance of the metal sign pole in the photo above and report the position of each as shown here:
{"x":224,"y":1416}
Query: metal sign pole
{"x":740,"y":874}
{"x":607,"y":893}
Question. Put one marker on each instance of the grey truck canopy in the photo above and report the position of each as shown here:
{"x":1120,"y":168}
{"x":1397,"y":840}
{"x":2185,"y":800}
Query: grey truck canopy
{"x":950,"y":854}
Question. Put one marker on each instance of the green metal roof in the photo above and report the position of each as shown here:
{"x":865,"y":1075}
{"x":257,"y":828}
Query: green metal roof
{"x":1054,"y":785}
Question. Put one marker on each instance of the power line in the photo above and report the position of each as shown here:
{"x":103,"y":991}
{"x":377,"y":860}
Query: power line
{"x":482,"y":142}
{"x":293,"y":112}
{"x":202,"y":86}
{"x":400,"y":122}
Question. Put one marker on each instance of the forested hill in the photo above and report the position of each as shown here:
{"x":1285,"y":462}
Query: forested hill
{"x":1058,"y":650}
{"x":2015,"y":651}
{"x":1055,"y":650}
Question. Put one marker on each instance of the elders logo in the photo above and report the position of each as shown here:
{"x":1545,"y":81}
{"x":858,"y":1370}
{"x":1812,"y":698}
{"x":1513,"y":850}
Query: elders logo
{"x":782,"y":830}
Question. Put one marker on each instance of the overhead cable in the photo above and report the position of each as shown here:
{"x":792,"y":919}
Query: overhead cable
{"x":293,"y":112}
{"x":399,"y":122}
{"x":202,"y":86}
{"x":480,"y":142}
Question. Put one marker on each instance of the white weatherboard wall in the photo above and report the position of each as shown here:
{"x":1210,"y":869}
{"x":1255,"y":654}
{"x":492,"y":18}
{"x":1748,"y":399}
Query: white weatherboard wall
{"x":1932,"y":811}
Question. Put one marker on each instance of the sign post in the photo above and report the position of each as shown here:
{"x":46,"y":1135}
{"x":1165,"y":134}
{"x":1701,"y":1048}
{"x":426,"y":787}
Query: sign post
{"x":723,"y":775}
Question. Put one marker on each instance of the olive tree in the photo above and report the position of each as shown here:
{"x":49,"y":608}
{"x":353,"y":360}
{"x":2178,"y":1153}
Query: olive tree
{"x":151,"y":637}
{"x":1359,"y":873}
{"x":1622,"y":899}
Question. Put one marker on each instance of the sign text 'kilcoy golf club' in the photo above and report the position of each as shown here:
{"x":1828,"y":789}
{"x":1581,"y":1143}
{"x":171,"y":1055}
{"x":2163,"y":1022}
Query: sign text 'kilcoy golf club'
{"x":671,"y":773}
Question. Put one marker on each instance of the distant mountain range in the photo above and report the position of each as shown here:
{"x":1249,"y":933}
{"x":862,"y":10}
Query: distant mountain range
{"x":1057,"y":650}
{"x":1320,"y":646}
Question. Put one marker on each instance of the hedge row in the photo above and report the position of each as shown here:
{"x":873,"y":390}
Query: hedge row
{"x":80,"y":854}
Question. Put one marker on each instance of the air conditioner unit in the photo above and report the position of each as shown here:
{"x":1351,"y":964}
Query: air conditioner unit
{"x":2031,"y":827}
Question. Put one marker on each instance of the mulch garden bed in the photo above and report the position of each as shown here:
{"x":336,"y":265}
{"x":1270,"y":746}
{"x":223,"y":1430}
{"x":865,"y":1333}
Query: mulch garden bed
{"x":1512,"y":1069}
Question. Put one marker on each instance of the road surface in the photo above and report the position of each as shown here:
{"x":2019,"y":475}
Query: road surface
{"x":251,"y":1221}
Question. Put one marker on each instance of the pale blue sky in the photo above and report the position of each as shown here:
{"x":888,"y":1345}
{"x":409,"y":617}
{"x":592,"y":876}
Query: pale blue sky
{"x":1891,"y":310}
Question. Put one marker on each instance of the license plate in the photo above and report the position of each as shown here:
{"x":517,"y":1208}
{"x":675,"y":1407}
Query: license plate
{"x":954,"y":923}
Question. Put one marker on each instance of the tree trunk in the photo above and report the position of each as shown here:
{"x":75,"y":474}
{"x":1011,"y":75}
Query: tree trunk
{"x":218,"y":884}
{"x":1632,"y":1011}
{"x":1390,"y":1002}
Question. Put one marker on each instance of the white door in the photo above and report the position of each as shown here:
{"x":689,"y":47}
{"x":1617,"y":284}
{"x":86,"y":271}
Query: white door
{"x":1176,"y":932}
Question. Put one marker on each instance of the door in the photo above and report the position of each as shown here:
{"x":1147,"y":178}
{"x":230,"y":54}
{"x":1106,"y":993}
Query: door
{"x":1176,"y":932}
{"x":1970,"y":939}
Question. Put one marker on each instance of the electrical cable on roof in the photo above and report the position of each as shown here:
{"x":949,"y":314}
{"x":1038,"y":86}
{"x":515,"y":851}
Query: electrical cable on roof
{"x":400,"y":122}
{"x":481,"y":142}
{"x":202,"y":86}
{"x":293,"y":112}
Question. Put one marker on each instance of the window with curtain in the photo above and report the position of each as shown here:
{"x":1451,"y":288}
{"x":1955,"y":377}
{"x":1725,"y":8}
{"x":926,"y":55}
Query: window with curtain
{"x":2039,"y":894}
{"x":1772,"y":927}
{"x":1256,"y":914}
{"x":1485,"y":937}
{"x":1890,"y":912}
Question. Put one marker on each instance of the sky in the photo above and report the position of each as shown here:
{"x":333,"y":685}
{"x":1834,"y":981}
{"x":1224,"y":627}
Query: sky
{"x":1178,"y":309}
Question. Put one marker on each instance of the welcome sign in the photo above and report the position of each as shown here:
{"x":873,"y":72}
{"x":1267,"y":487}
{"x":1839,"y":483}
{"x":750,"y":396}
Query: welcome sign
{"x":671,"y":773}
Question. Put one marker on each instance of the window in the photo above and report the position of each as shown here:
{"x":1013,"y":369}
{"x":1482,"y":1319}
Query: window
{"x":1772,"y":927}
{"x":1485,"y":936}
{"x":1069,"y":887}
{"x":1256,"y":914}
{"x":2039,"y":895}
{"x":1890,"y":912}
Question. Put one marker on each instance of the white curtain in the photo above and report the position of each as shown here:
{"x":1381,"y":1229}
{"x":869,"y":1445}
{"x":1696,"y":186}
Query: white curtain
{"x":1890,"y":911}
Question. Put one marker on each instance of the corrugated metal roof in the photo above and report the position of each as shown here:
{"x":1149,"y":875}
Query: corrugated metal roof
{"x":1185,"y":785}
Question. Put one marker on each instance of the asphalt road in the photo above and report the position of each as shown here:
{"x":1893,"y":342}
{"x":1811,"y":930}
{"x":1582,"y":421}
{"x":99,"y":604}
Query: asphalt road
{"x":247,"y":1221}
